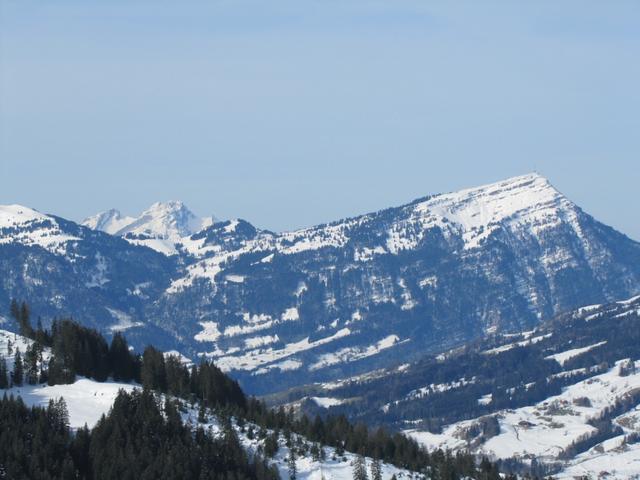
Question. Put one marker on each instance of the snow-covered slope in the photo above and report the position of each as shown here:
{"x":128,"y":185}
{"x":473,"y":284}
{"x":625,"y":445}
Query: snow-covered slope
{"x":566,"y":394}
{"x":26,"y":226}
{"x":87,"y":400}
{"x":161,"y":227}
{"x":446,"y":268}
{"x":337,"y":299}
{"x":546,"y":429}
{"x":62,"y":269}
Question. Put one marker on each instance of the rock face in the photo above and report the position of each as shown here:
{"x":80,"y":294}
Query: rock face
{"x":356,"y":294}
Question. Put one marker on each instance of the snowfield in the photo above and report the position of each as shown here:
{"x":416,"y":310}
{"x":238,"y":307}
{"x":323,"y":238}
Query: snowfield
{"x":563,"y":357}
{"x":547,"y":429}
{"x":87,"y":400}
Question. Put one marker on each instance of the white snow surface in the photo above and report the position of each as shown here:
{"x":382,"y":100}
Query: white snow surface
{"x":87,"y":400}
{"x":124,"y":321}
{"x":351,"y":354}
{"x":326,"y":402}
{"x":523,"y":343}
{"x":477,"y":212}
{"x":567,"y":355}
{"x":261,"y":357}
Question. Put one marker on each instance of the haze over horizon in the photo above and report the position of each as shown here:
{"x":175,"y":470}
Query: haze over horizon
{"x":292,"y":114}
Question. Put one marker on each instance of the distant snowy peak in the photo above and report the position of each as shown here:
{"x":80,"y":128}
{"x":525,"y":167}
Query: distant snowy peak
{"x":110,"y":221}
{"x":161,"y":227}
{"x":168,"y":221}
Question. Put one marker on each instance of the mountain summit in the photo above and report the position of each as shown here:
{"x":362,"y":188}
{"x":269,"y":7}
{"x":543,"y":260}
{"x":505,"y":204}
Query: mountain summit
{"x":161,"y":226}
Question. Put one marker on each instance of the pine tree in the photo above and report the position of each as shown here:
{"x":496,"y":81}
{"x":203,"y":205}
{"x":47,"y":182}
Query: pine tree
{"x":359,"y":468}
{"x":376,"y":470}
{"x":63,"y":413}
{"x":121,"y":361}
{"x":4,"y":381}
{"x":271,"y":445}
{"x":291,"y":462}
{"x":22,"y":315}
{"x":32,"y":358}
{"x":15,"y":310}
{"x":18,"y":372}
{"x":315,"y":452}
{"x":202,"y":414}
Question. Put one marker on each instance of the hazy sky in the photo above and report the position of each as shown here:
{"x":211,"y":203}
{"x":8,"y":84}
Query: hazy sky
{"x":291,"y":113}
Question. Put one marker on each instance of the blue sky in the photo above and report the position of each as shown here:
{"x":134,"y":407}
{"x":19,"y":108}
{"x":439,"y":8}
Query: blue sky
{"x":291,"y":113}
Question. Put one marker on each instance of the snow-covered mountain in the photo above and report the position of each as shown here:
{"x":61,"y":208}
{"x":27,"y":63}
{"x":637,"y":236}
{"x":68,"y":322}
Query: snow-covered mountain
{"x":163,"y":226}
{"x":338,"y":298}
{"x":331,"y":300}
{"x":66,"y":269}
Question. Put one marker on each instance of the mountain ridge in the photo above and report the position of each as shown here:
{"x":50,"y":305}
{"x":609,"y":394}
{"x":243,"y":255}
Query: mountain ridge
{"x":339,"y":298}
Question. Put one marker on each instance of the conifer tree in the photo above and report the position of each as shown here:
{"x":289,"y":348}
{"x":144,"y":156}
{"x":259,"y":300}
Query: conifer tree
{"x":32,"y":358}
{"x":15,"y":309}
{"x":4,"y":381}
{"x":291,"y":463}
{"x":376,"y":470}
{"x":315,"y":452}
{"x":202,"y":414}
{"x":22,"y":314}
{"x":121,"y":361}
{"x":18,"y":371}
{"x":271,"y":445}
{"x":359,"y":468}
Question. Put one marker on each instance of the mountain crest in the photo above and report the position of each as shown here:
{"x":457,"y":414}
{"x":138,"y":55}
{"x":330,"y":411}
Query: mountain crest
{"x":13,"y":215}
{"x":160,"y":227}
{"x":110,"y":221}
{"x":527,"y":201}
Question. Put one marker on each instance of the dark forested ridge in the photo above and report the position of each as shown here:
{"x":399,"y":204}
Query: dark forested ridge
{"x":516,"y":370}
{"x":143,"y":438}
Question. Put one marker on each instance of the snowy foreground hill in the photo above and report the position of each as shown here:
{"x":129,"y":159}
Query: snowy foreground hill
{"x":278,"y":310}
{"x":562,"y":399}
{"x":88,"y":400}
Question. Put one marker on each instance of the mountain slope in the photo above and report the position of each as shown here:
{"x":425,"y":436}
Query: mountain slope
{"x":566,"y":394}
{"x":332,"y":300}
{"x":62,"y":267}
{"x":341,"y":298}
